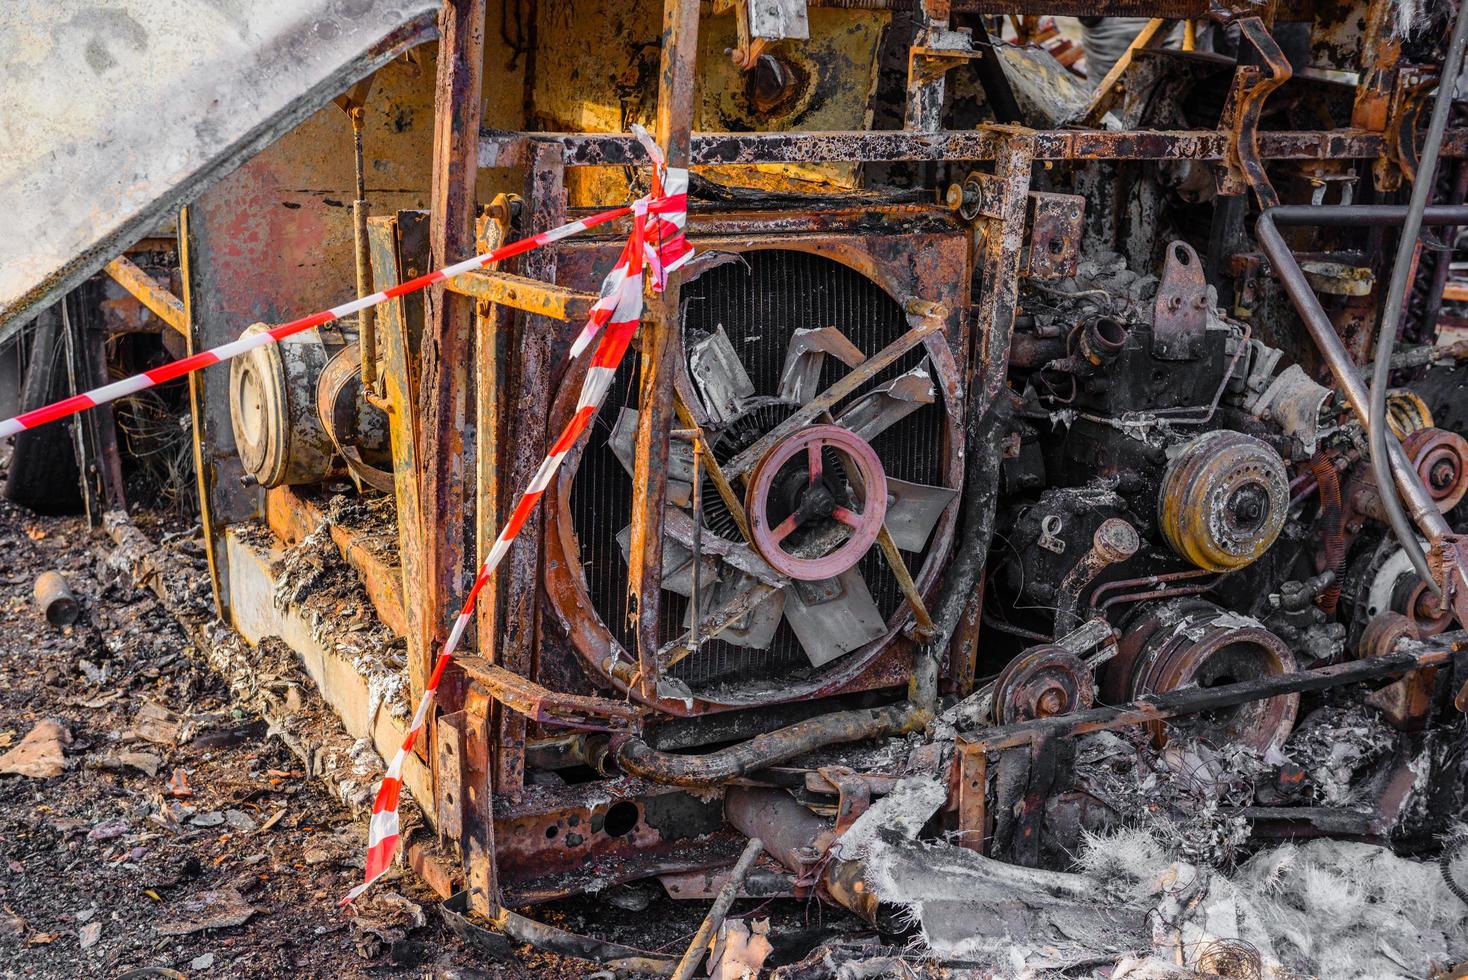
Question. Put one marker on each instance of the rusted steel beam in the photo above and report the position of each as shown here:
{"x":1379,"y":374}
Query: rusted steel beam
{"x":494,"y":336}
{"x":890,"y":146}
{"x":168,"y":307}
{"x":1109,"y":90}
{"x":531,"y":700}
{"x":673,"y":123}
{"x":521,"y":293}
{"x":396,"y":254}
{"x":446,"y":352}
{"x":1438,"y":651}
{"x":515,"y":584}
{"x":481,"y":868}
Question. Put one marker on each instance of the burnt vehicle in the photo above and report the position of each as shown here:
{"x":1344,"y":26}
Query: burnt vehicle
{"x":996,"y":409}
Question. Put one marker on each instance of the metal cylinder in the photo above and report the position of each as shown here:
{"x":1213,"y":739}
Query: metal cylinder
{"x":1114,"y":541}
{"x":272,"y":409}
{"x":799,"y":839}
{"x":55,"y":599}
{"x":1223,"y":500}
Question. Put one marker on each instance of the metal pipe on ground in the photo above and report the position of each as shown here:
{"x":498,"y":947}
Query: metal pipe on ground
{"x":800,"y":840}
{"x":54,"y":598}
{"x":720,"y":908}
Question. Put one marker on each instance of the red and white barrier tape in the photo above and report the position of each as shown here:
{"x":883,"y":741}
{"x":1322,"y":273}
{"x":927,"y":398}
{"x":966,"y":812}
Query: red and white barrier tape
{"x":233,"y":349}
{"x":656,"y":241}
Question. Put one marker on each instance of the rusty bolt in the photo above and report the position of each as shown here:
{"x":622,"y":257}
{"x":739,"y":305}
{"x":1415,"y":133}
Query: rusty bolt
{"x":1051,"y":703}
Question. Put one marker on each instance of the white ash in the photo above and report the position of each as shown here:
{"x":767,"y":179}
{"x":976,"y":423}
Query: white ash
{"x":1334,"y":744}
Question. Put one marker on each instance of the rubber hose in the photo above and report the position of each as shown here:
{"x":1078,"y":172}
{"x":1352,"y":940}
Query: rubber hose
{"x":1322,"y":465}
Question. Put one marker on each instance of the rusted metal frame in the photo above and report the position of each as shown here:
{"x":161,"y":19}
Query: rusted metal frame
{"x":443,"y":393}
{"x":1411,"y":656}
{"x":1110,"y":88}
{"x":971,"y":774}
{"x":527,"y":698}
{"x":493,"y":343}
{"x":476,"y":784}
{"x":674,"y":120}
{"x":924,"y":321}
{"x":520,"y":293}
{"x":204,"y":466}
{"x":1251,"y":87}
{"x":1000,"y":233}
{"x":394,"y":258}
{"x":166,"y":306}
{"x":894,"y":146}
{"x":935,"y":50}
{"x":1381,"y":49}
{"x":514,"y":589}
{"x":448,"y":777}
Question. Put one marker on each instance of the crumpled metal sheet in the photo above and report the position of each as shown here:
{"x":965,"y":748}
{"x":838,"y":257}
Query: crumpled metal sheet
{"x":114,"y":114}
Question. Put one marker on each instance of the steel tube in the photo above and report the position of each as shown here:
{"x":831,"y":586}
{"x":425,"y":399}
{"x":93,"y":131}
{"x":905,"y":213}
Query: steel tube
{"x":1345,"y":371}
{"x":1402,"y":271}
{"x":55,"y":599}
{"x":635,"y":756}
{"x":716,"y":913}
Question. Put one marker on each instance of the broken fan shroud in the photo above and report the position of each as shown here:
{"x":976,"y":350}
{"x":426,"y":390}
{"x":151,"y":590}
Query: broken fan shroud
{"x":760,"y":302}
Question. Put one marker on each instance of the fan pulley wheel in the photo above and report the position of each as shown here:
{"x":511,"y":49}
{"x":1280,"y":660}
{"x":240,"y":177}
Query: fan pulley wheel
{"x":1042,"y":682}
{"x":816,"y":502}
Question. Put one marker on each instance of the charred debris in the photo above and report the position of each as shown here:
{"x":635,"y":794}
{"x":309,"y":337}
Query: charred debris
{"x":986,"y":523}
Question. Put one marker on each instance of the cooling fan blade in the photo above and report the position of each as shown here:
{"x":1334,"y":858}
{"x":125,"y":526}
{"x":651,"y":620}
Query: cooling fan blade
{"x":723,"y":384}
{"x":800,"y":378}
{"x":834,"y":616}
{"x":623,"y":443}
{"x":913,"y":510}
{"x":883,"y":407}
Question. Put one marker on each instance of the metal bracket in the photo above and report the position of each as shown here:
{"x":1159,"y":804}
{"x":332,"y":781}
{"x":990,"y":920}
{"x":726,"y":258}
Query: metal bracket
{"x":1413,"y":85}
{"x":541,"y":704}
{"x":1180,"y":312}
{"x":1240,"y":121}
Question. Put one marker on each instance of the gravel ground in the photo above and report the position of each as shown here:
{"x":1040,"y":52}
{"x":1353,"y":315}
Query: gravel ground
{"x":178,"y":836}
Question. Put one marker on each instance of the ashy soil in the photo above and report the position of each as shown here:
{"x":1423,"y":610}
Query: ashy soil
{"x":177,"y":837}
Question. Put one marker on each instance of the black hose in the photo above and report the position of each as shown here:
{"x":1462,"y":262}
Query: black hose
{"x":1391,"y":314}
{"x":1445,"y":860}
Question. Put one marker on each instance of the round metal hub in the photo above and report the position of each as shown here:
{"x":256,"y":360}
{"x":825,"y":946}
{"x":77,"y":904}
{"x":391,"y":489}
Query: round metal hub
{"x":1194,"y":643}
{"x":812,"y":520}
{"x":1042,"y":682}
